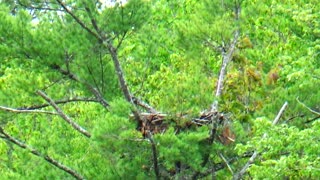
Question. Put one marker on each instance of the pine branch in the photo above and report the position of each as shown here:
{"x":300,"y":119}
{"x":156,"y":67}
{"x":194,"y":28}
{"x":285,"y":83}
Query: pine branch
{"x":30,"y":7}
{"x":93,"y":90}
{"x":107,"y":42}
{"x":64,"y":116}
{"x":93,"y":20}
{"x":154,"y":156}
{"x":123,"y":84}
{"x":80,"y":22}
{"x":39,"y":154}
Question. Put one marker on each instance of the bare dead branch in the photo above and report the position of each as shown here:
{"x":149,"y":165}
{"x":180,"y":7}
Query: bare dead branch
{"x":245,"y":167}
{"x":243,"y":170}
{"x":26,"y":111}
{"x":226,"y":58}
{"x":214,"y":112}
{"x":39,"y":154}
{"x":64,"y":101}
{"x":64,"y":116}
{"x":284,"y":106}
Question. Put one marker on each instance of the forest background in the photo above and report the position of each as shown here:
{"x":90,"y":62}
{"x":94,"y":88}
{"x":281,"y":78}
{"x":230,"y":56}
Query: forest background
{"x":159,"y":89}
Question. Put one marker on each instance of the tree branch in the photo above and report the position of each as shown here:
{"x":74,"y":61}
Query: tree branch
{"x":26,"y":111}
{"x":122,"y":81}
{"x":226,"y":58}
{"x":113,"y":51}
{"x":37,"y":153}
{"x":314,"y":112}
{"x":93,"y":20}
{"x":81,"y":23}
{"x":64,"y":101}
{"x":37,"y":8}
{"x":154,"y":156}
{"x":121,"y":39}
{"x":243,"y":170}
{"x":146,"y":106}
{"x":226,"y":162}
{"x":93,"y":90}
{"x":64,"y":116}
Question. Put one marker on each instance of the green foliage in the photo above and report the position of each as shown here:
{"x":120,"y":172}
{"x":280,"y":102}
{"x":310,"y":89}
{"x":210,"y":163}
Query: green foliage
{"x":128,"y":16}
{"x":170,"y":52}
{"x":178,"y":148}
{"x":286,"y":151}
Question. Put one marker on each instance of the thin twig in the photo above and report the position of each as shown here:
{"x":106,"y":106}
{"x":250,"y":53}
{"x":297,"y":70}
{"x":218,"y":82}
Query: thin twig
{"x":311,"y":110}
{"x":93,"y":20}
{"x":225,"y":161}
{"x":26,"y":111}
{"x":313,"y":119}
{"x":107,"y":42}
{"x":113,"y":51}
{"x":37,"y":8}
{"x":121,"y":39}
{"x":39,"y":154}
{"x":93,"y":90}
{"x":63,"y":101}
{"x":64,"y":116}
{"x":93,"y":78}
